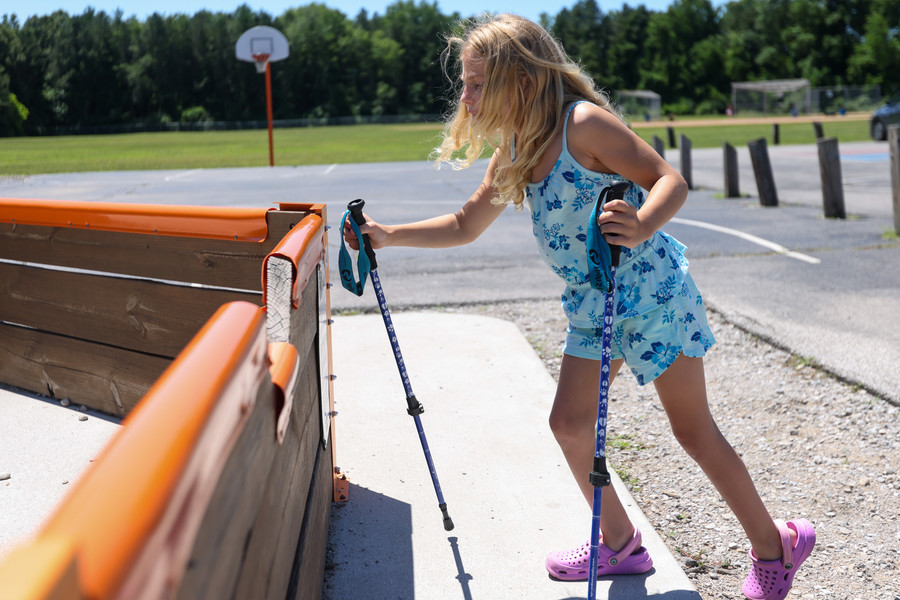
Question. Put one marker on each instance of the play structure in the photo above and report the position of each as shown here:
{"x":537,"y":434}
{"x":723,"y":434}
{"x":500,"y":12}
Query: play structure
{"x":207,"y":331}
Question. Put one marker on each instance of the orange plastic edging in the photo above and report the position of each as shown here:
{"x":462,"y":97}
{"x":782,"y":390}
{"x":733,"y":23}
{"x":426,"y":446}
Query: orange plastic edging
{"x":308,"y":233}
{"x":41,"y":570}
{"x":285,"y":370}
{"x":134,"y":504}
{"x":230,"y":223}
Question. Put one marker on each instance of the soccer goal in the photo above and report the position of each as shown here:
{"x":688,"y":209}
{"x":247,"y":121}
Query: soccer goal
{"x":771,"y":97}
{"x":639,"y":104}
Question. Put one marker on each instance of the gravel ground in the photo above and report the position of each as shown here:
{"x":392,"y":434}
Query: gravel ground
{"x":816,"y":447}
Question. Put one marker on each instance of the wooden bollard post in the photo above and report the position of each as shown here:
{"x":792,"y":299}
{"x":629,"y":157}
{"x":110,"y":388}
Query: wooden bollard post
{"x":686,"y":161}
{"x":894,"y":143}
{"x":830,"y":169}
{"x":818,"y":129}
{"x":776,"y":134}
{"x":762,"y":168}
{"x":659,"y":146}
{"x":732,"y":179}
{"x":671,"y":132}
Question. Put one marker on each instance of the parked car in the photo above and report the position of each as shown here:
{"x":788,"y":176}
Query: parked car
{"x":883,"y":117}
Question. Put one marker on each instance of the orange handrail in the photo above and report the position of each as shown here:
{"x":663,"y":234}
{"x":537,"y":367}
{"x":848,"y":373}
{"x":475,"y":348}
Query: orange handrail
{"x":45,"y":569}
{"x":231,"y":223}
{"x":308,"y":233}
{"x":135,"y":512}
{"x":285,"y":370}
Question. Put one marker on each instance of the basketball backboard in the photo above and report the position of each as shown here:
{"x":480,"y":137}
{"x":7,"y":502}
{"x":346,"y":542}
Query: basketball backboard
{"x":261,"y":44}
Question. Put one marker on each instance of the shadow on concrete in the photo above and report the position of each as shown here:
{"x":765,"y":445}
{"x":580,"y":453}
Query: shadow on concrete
{"x":462,"y":576}
{"x":634,"y":587}
{"x":370,"y":553}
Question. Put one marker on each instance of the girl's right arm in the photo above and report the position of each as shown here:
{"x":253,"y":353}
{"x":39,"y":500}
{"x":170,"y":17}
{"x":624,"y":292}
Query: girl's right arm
{"x":456,"y":229}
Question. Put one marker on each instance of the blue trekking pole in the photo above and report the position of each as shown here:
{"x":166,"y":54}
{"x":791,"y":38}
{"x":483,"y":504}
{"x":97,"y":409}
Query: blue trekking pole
{"x":366,"y":264}
{"x":603,"y":259}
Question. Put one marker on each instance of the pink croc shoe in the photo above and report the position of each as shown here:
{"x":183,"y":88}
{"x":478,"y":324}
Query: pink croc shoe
{"x":772,"y":579}
{"x":572,"y":565}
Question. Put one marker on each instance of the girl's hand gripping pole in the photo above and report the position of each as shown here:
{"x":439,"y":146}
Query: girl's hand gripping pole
{"x":365,"y":261}
{"x":356,"y":213}
{"x":602,"y":256}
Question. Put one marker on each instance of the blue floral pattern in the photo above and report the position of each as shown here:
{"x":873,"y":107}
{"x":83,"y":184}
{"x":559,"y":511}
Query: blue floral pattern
{"x":652,"y":280}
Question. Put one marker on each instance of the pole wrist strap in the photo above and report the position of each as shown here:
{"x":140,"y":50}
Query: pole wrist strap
{"x":345,"y":263}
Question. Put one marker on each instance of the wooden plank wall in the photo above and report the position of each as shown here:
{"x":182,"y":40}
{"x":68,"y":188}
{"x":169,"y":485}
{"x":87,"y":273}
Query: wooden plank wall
{"x":309,"y":573}
{"x":101,"y":338}
{"x":97,"y":335}
{"x":113,"y":380}
{"x":275,"y":498}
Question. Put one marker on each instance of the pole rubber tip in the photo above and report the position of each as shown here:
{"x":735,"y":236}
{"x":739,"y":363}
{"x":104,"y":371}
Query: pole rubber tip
{"x":448,"y":522}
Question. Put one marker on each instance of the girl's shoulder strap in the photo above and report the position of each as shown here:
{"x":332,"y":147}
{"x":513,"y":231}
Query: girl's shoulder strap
{"x":569,"y":110}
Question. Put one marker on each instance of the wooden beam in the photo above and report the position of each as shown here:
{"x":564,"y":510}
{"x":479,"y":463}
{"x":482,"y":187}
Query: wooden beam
{"x":817,"y":128}
{"x":147,"y":316}
{"x":732,"y":175}
{"x":686,"y":169}
{"x":894,"y":143}
{"x":762,"y":168}
{"x":104,"y":378}
{"x":272,"y":545}
{"x":279,"y":287}
{"x":830,"y":172}
{"x":222,"y":263}
{"x":309,"y":568}
{"x":659,"y":146}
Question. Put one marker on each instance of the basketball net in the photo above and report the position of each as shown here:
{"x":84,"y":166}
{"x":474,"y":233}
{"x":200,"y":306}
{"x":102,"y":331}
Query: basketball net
{"x":261,"y":61}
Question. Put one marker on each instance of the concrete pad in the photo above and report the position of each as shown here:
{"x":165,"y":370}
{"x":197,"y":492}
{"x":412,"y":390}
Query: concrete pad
{"x":44,"y":448}
{"x":509,"y":491}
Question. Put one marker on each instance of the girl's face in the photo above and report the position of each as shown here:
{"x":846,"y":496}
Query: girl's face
{"x":473,"y":81}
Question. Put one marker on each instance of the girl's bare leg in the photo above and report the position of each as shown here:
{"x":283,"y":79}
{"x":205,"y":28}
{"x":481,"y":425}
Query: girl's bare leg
{"x":572,"y":420}
{"x":682,"y":391}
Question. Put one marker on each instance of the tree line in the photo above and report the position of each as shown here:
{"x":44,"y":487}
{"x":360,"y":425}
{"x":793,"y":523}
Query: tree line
{"x":96,"y":69}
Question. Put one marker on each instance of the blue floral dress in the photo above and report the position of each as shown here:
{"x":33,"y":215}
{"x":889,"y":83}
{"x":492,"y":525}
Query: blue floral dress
{"x":659,"y":313}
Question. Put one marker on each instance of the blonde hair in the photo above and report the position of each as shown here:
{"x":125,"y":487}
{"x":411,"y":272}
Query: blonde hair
{"x":529,"y":80}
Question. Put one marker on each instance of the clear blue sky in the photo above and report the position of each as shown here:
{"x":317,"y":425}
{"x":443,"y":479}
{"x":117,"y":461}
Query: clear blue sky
{"x":142,"y":8}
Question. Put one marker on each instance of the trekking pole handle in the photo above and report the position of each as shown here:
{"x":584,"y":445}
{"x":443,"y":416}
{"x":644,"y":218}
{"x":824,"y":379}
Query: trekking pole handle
{"x":356,"y":211}
{"x":616,"y":192}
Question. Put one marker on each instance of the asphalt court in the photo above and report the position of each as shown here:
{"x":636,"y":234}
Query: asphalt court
{"x":503,"y":264}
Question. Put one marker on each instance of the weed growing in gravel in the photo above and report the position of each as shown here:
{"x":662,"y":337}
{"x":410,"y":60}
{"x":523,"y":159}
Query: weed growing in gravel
{"x":798,"y":362}
{"x":624,"y":442}
{"x":630,"y":481}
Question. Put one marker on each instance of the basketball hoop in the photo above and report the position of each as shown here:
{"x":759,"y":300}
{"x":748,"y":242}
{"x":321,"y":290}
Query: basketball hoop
{"x":261,"y":60}
{"x":262,"y":45}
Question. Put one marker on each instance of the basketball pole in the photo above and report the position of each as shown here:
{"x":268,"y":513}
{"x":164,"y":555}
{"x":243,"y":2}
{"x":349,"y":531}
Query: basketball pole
{"x":263,"y":45}
{"x":269,"y":111}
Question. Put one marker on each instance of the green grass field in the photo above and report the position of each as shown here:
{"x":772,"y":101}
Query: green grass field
{"x":216,"y":149}
{"x":322,"y":145}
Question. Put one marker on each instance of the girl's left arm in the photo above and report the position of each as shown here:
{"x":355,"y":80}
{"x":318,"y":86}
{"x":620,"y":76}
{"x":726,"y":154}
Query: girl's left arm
{"x":601,"y":142}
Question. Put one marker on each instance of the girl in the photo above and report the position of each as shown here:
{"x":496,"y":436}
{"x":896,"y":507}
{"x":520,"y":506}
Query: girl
{"x":558,"y":141}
